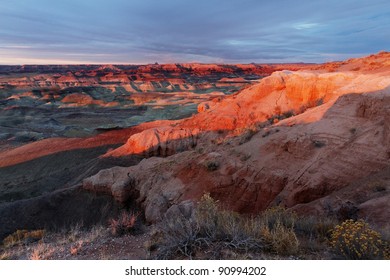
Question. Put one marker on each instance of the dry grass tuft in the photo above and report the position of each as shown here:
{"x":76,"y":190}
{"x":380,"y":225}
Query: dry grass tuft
{"x":5,"y":256}
{"x":23,"y":237}
{"x":315,"y":227}
{"x":281,"y":239}
{"x":74,"y":249}
{"x":278,"y":215}
{"x":41,"y":251}
{"x":125,"y":223}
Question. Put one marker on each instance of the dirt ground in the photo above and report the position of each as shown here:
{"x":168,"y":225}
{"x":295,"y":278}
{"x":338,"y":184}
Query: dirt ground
{"x":96,"y":244}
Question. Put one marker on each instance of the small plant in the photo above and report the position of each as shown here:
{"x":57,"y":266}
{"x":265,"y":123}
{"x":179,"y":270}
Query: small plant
{"x":212,"y":165}
{"x":125,"y":223}
{"x":278,"y":230}
{"x":74,"y":249}
{"x":245,"y":157}
{"x":318,"y":144}
{"x":377,"y":186}
{"x":315,"y":227}
{"x":356,"y":240}
{"x":320,"y":101}
{"x":267,"y":133}
{"x":288,"y":114}
{"x":74,"y":233}
{"x":177,"y":236}
{"x":278,"y":215}
{"x":5,"y":256}
{"x":247,"y":135}
{"x":206,"y":214}
{"x":281,"y":239}
{"x":41,"y":252}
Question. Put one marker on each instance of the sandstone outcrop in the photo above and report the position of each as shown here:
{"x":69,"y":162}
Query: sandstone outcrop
{"x":161,"y":141}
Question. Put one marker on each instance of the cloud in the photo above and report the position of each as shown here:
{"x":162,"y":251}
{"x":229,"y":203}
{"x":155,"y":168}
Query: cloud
{"x":301,"y":26}
{"x":142,"y":31}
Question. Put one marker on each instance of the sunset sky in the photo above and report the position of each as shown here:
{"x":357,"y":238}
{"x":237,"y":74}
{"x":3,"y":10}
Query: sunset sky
{"x":148,"y":31}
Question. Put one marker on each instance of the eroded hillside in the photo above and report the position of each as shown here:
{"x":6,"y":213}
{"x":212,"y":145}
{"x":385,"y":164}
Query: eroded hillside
{"x":314,"y":141}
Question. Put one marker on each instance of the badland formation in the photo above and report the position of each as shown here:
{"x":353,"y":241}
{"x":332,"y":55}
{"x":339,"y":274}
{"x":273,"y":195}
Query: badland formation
{"x":80,"y":143}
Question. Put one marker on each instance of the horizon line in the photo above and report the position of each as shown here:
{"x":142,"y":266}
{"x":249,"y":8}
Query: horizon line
{"x":169,"y":63}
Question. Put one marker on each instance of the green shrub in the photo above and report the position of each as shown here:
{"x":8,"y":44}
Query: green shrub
{"x":356,"y":240}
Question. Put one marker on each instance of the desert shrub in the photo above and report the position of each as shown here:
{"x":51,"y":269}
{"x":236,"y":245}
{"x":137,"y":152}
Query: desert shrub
{"x":42,"y":252}
{"x":318,"y":144}
{"x":125,"y":223}
{"x":281,"y":239}
{"x":206,"y":216}
{"x":288,"y":114}
{"x":228,"y":227}
{"x":176,"y":236}
{"x":245,"y":157}
{"x":315,"y":227}
{"x":320,"y":101}
{"x":377,"y":185}
{"x":278,"y":215}
{"x":277,"y":230}
{"x":356,"y":240}
{"x":75,"y":248}
{"x":247,"y":135}
{"x":212,"y":232}
{"x":212,"y":165}
{"x":209,"y":227}
{"x":266,"y":133}
{"x":23,"y":237}
{"x":5,"y":256}
{"x":73,"y":234}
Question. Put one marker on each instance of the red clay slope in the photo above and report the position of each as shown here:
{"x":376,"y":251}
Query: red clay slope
{"x":54,"y":145}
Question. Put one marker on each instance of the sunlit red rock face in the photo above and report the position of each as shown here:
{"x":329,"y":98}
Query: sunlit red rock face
{"x":159,"y":141}
{"x":313,"y":141}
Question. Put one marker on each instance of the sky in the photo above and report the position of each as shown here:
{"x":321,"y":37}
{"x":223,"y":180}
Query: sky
{"x":207,"y":31}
